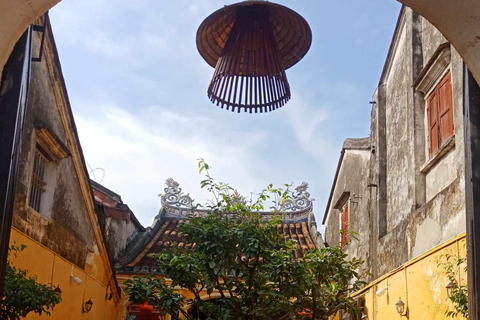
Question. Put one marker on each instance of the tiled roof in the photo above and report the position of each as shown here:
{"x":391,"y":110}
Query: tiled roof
{"x":299,"y":233}
{"x":113,"y":205}
{"x":106,"y":191}
{"x":297,"y":224}
{"x":169,"y":236}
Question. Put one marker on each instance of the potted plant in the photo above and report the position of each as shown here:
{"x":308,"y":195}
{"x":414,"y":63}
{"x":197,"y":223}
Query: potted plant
{"x":145,"y":307}
{"x":153,"y":294}
{"x":141,"y":290}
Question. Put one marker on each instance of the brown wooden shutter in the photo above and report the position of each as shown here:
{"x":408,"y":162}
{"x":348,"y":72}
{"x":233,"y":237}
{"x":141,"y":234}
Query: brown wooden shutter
{"x":432,"y":122}
{"x":445,"y":108}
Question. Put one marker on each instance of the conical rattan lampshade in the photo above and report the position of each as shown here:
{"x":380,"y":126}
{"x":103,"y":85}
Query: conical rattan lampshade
{"x":251,"y":44}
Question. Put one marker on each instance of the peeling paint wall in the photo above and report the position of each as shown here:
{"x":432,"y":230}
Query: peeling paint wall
{"x":424,"y":207}
{"x":63,"y":224}
{"x":398,"y":133}
{"x":414,"y":202}
{"x":62,"y":234}
{"x":118,"y":233}
{"x":352,"y":177}
{"x":118,"y":222}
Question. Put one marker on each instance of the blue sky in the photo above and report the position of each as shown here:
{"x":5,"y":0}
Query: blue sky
{"x":137,"y":86}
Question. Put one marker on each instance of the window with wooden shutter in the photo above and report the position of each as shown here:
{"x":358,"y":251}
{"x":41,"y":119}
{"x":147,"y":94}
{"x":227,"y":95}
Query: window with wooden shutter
{"x":440,"y":114}
{"x":344,"y":229}
{"x":445,"y":109}
{"x":433,"y":123}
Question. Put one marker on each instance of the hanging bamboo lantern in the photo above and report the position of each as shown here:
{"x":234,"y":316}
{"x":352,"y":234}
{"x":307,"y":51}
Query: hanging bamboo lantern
{"x":251,"y":44}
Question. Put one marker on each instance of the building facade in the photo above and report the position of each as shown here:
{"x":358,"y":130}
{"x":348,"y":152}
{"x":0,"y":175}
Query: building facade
{"x":398,"y":197}
{"x":119,"y":223}
{"x":54,"y":210}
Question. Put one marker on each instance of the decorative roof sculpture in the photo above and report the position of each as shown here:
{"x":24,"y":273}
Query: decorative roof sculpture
{"x":177,"y":204}
{"x":297,"y":224}
{"x":251,"y":44}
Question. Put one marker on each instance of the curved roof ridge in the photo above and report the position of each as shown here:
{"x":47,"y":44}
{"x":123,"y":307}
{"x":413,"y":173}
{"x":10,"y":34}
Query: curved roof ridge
{"x":177,"y":204}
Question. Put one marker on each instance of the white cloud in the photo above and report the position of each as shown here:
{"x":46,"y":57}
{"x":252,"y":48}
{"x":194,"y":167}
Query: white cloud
{"x":143,"y":52}
{"x":306,"y":121}
{"x":104,"y":29}
{"x":138,"y":152}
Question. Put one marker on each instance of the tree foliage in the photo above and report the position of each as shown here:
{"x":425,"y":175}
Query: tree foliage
{"x":239,"y":256}
{"x":451,"y":265}
{"x":23,"y":294}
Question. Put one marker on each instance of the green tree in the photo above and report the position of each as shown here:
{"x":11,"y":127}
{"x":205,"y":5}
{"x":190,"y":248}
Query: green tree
{"x":239,"y":255}
{"x":23,"y":294}
{"x":451,"y":265}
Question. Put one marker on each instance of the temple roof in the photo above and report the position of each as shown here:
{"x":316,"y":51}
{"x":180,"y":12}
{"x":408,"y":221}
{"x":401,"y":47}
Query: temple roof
{"x":297,"y":223}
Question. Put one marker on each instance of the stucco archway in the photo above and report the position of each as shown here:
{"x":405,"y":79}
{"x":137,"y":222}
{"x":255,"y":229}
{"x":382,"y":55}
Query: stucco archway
{"x":459,"y":21}
{"x":15,"y":17}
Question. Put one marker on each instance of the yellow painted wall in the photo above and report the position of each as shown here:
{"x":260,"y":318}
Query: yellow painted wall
{"x":51,"y":268}
{"x":420,"y":284}
{"x":97,"y":269}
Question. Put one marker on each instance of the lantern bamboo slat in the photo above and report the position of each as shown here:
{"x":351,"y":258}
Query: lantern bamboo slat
{"x":251,"y":44}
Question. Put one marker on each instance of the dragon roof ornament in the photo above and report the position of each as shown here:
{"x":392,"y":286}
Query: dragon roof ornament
{"x":177,"y":204}
{"x":300,"y":200}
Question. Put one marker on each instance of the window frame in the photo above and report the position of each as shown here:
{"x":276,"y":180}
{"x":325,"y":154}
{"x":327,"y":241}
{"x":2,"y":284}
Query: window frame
{"x":48,"y":146}
{"x":344,"y":224}
{"x":38,"y":176}
{"x":443,"y":111}
{"x":342,"y":204}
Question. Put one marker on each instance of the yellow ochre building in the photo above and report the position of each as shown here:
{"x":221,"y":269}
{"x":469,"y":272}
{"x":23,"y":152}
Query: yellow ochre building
{"x":55,"y":213}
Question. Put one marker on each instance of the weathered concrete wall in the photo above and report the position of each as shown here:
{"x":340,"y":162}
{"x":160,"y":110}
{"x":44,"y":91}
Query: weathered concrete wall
{"x":118,"y":233}
{"x":432,"y":38}
{"x":63,"y":225}
{"x":398,"y":130}
{"x":118,"y":222}
{"x":438,"y":220}
{"x":416,"y":202}
{"x":442,"y":211}
{"x":441,"y":175}
{"x":352,"y":176}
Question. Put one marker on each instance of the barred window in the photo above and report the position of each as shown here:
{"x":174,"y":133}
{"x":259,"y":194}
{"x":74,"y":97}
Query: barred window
{"x":38,"y":184}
